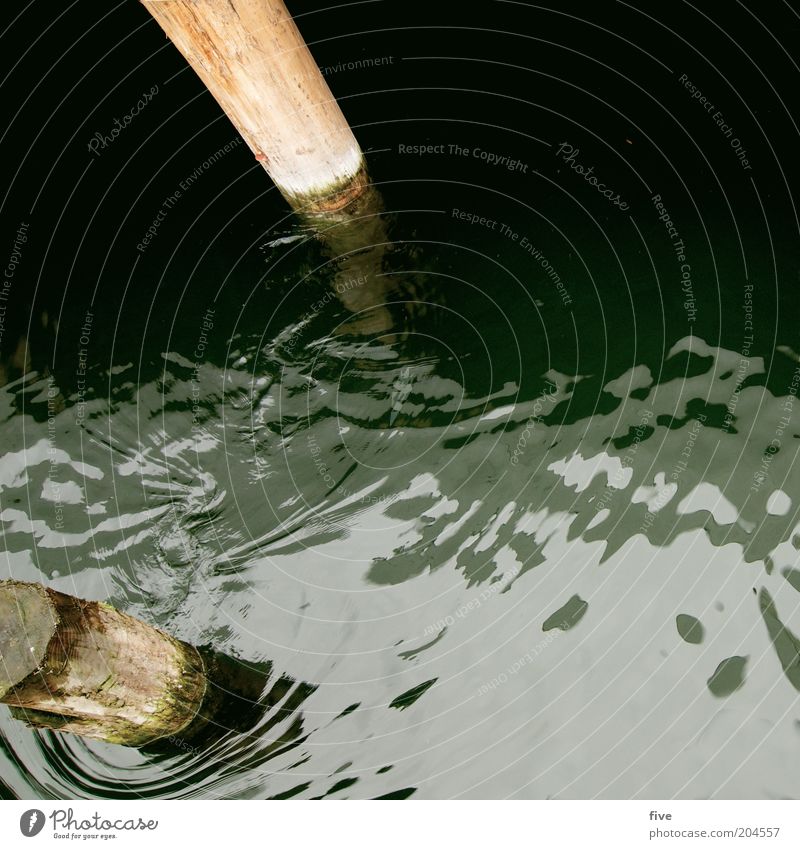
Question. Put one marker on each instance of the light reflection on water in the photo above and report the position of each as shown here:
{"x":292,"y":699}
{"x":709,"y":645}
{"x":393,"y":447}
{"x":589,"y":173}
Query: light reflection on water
{"x":460,"y":592}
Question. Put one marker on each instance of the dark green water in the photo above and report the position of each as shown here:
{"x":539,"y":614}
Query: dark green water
{"x":503,"y":487}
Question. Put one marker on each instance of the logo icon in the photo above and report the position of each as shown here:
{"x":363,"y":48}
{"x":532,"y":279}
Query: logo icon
{"x":31,"y":822}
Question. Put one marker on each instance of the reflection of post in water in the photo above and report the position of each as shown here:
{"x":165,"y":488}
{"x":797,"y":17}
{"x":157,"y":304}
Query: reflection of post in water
{"x":16,"y":363}
{"x":382,"y":304}
{"x":27,"y":340}
{"x":243,"y":701}
{"x":356,"y":238}
{"x":84,"y":667}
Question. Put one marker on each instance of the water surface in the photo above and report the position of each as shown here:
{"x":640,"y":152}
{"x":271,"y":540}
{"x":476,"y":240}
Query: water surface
{"x":504,"y":503}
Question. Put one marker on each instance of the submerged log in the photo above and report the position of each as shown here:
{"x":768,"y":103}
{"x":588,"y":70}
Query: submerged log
{"x":86,"y":668}
{"x":254,"y":61}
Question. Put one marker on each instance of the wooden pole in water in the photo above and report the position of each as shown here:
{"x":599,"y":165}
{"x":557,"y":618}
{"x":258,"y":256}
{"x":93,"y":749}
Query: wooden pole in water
{"x":254,"y":61}
{"x":84,"y":667}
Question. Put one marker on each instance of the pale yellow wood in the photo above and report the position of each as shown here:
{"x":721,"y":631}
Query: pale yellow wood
{"x":84,"y":667}
{"x":254,"y":61}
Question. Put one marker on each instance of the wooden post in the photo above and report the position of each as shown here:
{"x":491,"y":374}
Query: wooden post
{"x":84,"y":667}
{"x":253,"y":60}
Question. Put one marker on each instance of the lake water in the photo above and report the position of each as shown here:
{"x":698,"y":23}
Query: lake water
{"x":501,"y":484}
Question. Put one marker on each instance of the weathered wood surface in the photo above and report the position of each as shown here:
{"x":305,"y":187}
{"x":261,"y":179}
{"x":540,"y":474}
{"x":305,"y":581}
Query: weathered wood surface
{"x":84,"y":667}
{"x":254,"y":61}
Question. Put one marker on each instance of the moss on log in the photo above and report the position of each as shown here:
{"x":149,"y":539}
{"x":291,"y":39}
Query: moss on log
{"x":85,"y":667}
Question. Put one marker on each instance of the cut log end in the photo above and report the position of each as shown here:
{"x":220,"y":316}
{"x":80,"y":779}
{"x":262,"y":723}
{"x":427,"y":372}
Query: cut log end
{"x":93,"y":670}
{"x":27,"y":624}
